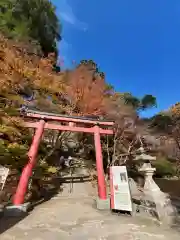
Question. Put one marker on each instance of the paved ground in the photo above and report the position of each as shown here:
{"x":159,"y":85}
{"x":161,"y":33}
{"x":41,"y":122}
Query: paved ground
{"x":77,"y":218}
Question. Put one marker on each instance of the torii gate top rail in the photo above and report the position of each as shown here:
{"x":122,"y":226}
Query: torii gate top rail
{"x":65,"y":118}
{"x":44,"y":117}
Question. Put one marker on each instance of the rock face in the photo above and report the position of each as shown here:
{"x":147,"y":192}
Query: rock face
{"x":133,"y":188}
{"x":161,"y":205}
{"x":71,"y":141}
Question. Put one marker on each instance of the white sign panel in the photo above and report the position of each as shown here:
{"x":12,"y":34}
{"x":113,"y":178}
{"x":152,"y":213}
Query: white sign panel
{"x":120,"y":191}
{"x":3,"y":176}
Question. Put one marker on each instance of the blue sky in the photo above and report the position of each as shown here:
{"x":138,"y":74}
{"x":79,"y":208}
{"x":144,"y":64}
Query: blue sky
{"x":136,"y":43}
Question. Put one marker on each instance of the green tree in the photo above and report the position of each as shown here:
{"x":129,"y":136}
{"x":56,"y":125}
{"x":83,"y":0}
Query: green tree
{"x":34,"y":20}
{"x":167,"y":124}
{"x":162,"y":123}
{"x":140,"y":104}
{"x":147,"y":101}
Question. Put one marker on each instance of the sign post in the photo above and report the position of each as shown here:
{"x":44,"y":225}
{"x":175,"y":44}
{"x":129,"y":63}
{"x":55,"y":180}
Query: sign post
{"x":120,"y":191}
{"x":3,"y":176}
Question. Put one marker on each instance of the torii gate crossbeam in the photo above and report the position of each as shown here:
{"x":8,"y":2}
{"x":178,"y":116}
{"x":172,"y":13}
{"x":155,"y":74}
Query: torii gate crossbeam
{"x":33,"y":151}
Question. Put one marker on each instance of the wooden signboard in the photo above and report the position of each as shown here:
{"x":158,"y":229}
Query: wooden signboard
{"x":120,"y":191}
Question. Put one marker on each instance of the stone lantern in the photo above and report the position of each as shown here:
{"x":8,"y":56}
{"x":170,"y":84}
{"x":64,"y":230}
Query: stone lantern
{"x":152,"y":195}
{"x":147,"y":170}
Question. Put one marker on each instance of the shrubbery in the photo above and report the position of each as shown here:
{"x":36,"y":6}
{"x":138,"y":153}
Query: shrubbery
{"x":164,"y":168}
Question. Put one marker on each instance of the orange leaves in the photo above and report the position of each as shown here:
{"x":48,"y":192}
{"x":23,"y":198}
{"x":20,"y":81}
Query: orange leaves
{"x":23,"y":74}
{"x":19,"y":69}
{"x":175,"y":110}
{"x":86,"y":92}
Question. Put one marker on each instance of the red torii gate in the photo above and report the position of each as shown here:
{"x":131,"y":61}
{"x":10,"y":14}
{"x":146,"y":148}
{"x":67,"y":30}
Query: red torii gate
{"x":42,"y":124}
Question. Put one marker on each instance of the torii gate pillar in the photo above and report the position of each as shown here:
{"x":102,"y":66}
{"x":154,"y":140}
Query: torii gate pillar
{"x":99,"y":164}
{"x":102,"y":202}
{"x":27,"y":171}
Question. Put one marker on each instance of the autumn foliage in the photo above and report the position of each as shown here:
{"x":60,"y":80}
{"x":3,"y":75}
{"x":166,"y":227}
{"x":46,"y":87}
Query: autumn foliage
{"x":19,"y":70}
{"x":86,"y":92}
{"x":21,"y":73}
{"x":24,"y":74}
{"x":175,"y":110}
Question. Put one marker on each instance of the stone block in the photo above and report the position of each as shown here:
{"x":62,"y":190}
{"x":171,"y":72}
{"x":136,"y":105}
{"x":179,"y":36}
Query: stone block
{"x":103,"y":204}
{"x":17,"y":210}
{"x":1,"y":210}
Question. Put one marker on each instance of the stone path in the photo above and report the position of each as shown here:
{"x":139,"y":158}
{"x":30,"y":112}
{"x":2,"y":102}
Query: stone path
{"x":75,"y":218}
